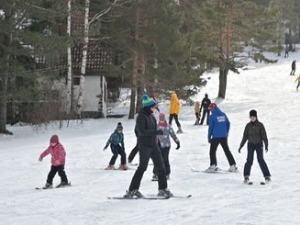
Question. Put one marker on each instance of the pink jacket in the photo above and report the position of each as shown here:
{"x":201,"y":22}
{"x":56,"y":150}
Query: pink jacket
{"x":58,"y":154}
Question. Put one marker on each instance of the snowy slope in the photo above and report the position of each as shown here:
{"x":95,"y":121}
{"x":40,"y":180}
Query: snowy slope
{"x":218,"y":199}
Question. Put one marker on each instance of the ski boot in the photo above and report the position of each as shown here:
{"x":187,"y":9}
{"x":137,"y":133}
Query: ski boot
{"x":133,"y":194}
{"x":63,"y":184}
{"x":48,"y":186}
{"x":110,"y":167}
{"x":247,"y":181}
{"x":268,"y":179}
{"x":212,"y":169}
{"x":165,"y":193}
{"x":123,"y":167}
{"x":232,"y":168}
{"x":179,"y":131}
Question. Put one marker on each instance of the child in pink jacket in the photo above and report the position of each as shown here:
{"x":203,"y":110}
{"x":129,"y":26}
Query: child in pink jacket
{"x":58,"y":160}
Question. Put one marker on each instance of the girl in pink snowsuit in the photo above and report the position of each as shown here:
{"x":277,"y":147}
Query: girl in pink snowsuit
{"x":58,"y":160}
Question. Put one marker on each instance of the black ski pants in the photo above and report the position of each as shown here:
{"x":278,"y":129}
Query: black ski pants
{"x":117,"y":150}
{"x":206,"y":113}
{"x":213,"y":150}
{"x":61,"y":172}
{"x":165,"y":154}
{"x":147,"y":152}
{"x":133,"y":153}
{"x":175,"y":116}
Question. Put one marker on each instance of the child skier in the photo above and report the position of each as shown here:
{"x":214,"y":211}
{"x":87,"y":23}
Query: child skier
{"x":197,"y":112}
{"x":116,"y":141}
{"x":164,"y":143}
{"x":58,"y":160}
{"x":298,"y":80}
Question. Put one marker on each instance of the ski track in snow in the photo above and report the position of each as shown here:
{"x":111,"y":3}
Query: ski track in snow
{"x":218,"y":199}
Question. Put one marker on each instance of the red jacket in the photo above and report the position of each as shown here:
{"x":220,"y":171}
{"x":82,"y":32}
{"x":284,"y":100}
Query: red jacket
{"x":58,"y":154}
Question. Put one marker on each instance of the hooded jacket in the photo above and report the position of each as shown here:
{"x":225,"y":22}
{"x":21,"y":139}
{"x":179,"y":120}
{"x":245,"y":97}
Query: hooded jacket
{"x":58,"y":154}
{"x":164,"y":139}
{"x":116,"y":138}
{"x":174,"y":104}
{"x":219,"y":124}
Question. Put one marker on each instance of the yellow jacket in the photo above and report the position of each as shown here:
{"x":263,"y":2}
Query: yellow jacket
{"x":174,"y":104}
{"x":298,"y":80}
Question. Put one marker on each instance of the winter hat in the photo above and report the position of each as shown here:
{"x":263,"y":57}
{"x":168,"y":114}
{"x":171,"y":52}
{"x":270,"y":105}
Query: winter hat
{"x":162,"y":117}
{"x":119,"y":126}
{"x":148,"y":102}
{"x":212,"y":106}
{"x":54,"y":139}
{"x":253,"y":113}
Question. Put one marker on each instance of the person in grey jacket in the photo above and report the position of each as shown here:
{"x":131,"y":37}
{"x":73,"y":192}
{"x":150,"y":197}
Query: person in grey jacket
{"x":256,"y":135}
{"x":164,"y":143}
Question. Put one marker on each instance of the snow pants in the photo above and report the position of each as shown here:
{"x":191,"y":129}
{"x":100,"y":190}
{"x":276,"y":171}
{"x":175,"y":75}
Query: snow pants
{"x":117,"y":150}
{"x":61,"y":172}
{"x":165,"y":155}
{"x":260,"y":158}
{"x":147,"y":152}
{"x":213,"y":150}
{"x":206,"y":113}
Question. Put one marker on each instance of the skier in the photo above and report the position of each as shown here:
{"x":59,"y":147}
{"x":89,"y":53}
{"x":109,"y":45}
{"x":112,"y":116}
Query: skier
{"x":293,"y":68}
{"x":58,"y":159}
{"x":255,"y":134}
{"x":286,"y":53}
{"x":116,"y":141}
{"x":197,"y":112}
{"x":204,"y":105}
{"x":217,"y":134}
{"x":146,"y":129}
{"x":174,"y":111}
{"x":165,"y":144}
{"x":298,"y":80}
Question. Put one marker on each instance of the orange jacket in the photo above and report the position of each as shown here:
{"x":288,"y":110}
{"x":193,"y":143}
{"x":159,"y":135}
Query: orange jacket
{"x":174,"y":104}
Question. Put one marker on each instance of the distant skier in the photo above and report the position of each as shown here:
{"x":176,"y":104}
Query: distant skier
{"x":174,"y":111}
{"x":217,"y":134}
{"x":58,"y":159}
{"x":197,"y":112}
{"x":255,"y":134}
{"x":298,"y":80}
{"x":293,"y":68}
{"x":116,"y":142}
{"x":204,"y":105}
{"x":286,"y":52}
{"x":146,"y":129}
{"x":165,"y":144}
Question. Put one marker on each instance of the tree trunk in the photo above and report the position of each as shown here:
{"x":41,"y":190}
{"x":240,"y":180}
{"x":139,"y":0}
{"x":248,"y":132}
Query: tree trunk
{"x":133,"y":85}
{"x":69,"y":76}
{"x":84,"y":59}
{"x":222,"y":82}
{"x":3,"y":105}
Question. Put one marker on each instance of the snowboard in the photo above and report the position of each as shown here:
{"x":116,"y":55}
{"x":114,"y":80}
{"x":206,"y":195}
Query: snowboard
{"x":150,"y":197}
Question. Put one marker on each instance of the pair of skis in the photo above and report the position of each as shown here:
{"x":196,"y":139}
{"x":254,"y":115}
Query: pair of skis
{"x":150,"y":197}
{"x":58,"y":186}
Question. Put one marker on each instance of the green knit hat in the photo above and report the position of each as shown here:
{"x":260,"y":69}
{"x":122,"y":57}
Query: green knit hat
{"x":148,"y":102}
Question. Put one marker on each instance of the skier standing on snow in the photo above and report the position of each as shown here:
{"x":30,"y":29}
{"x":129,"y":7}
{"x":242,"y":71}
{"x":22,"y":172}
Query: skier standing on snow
{"x":197,"y":112}
{"x":298,"y":80}
{"x":217,"y":134}
{"x":164,"y":143}
{"x":116,"y":141}
{"x":204,"y":105}
{"x":58,"y":159}
{"x":293,"y":68}
{"x":146,"y":129}
{"x":174,"y":111}
{"x":255,"y":134}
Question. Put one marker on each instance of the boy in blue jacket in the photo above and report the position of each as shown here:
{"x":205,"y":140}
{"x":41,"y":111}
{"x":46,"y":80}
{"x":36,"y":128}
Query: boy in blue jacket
{"x":217,"y":134}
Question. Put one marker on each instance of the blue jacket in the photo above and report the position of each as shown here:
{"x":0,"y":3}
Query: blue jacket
{"x":218,"y":124}
{"x":116,"y":139}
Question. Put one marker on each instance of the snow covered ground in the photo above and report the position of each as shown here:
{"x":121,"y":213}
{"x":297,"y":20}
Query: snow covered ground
{"x":218,"y":199}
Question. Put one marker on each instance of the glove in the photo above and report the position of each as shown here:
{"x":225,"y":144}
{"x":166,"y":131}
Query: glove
{"x":105,"y":148}
{"x":159,"y":132}
{"x":40,"y":159}
{"x":178,"y":145}
{"x":240,"y":148}
{"x":209,"y":140}
{"x":267,"y":149}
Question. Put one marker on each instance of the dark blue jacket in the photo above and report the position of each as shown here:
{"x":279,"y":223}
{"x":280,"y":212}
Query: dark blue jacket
{"x":116,"y":138}
{"x":218,"y":124}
